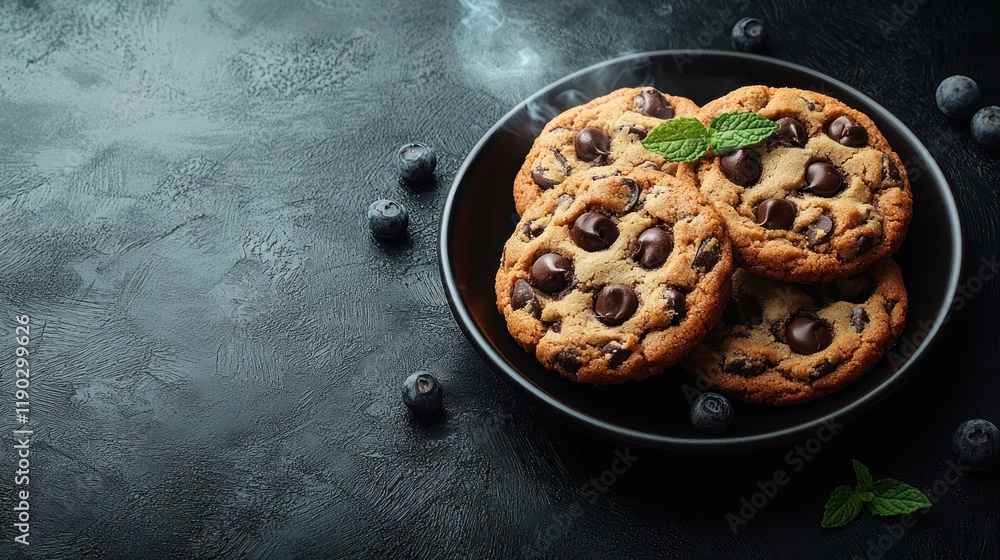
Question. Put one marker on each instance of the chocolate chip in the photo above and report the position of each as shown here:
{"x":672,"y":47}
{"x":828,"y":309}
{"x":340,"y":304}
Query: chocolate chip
{"x":855,"y":289}
{"x":652,"y":104}
{"x":591,"y":143}
{"x":532,"y":230}
{"x":634,"y":191}
{"x":775,"y":213}
{"x":640,"y":132}
{"x":561,"y":159}
{"x":742,"y":167}
{"x":543,"y":182}
{"x":889,"y":169}
{"x":551,"y":272}
{"x":890,"y":304}
{"x":810,"y":104}
{"x":791,"y":132}
{"x":655,"y":245}
{"x":865,"y":244}
{"x":593,"y":231}
{"x":744,"y":366}
{"x":556,"y":325}
{"x":859,"y":319}
{"x":822,"y":179}
{"x":648,"y":165}
{"x":709,"y":253}
{"x":539,"y":177}
{"x":807,"y":336}
{"x":848,"y":132}
{"x":743,"y":309}
{"x":569,"y":360}
{"x":819,"y":231}
{"x":615,"y":303}
{"x":675,"y":302}
{"x":824,"y":368}
{"x":523,"y":297}
{"x":777,"y":330}
{"x":615,"y":354}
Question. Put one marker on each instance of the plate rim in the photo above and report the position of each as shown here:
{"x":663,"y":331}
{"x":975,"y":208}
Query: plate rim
{"x":521,"y":385}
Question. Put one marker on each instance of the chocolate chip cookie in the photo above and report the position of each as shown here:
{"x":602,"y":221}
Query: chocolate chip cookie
{"x":614,"y":274}
{"x":823,"y":198}
{"x":782,"y":343}
{"x":607,"y":130}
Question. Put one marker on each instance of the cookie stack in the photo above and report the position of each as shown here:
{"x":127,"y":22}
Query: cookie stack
{"x":623,"y":263}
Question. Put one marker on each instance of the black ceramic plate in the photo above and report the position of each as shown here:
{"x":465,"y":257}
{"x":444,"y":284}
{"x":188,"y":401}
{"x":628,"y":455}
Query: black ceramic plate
{"x":479,"y":216}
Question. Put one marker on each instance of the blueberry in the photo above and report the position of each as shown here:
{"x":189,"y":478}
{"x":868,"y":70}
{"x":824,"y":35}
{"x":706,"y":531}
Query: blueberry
{"x":977,"y":443}
{"x":416,"y":162}
{"x":986,"y":126}
{"x":422,"y":393}
{"x":711,"y":413}
{"x":388,"y":219}
{"x":749,"y":35}
{"x":957,"y":96}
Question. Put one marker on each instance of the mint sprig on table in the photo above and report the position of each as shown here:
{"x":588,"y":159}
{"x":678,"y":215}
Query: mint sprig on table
{"x":686,"y":139}
{"x":887,"y":496}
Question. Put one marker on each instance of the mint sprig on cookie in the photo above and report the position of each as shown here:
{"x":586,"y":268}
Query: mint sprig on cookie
{"x":887,"y":496}
{"x":686,"y":139}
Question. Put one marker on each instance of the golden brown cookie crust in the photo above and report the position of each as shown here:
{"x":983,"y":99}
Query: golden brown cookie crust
{"x":752,"y":362}
{"x":870,"y":214}
{"x":564,"y":325}
{"x":553,"y":150}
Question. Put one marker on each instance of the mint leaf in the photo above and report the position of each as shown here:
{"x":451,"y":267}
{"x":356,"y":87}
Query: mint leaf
{"x":864,"y":477}
{"x":736,"y":130}
{"x":679,"y":139}
{"x":892,"y":497}
{"x":842,"y":507}
{"x":686,"y":139}
{"x":885,"y":497}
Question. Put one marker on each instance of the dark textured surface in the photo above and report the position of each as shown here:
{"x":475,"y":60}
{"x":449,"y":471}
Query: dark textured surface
{"x":218,"y":345}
